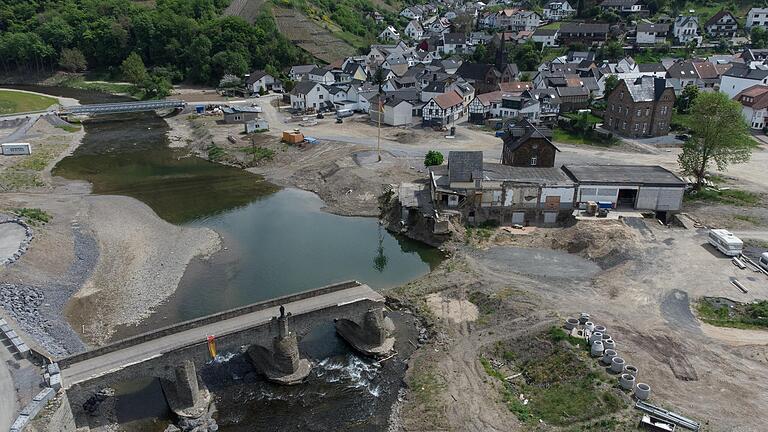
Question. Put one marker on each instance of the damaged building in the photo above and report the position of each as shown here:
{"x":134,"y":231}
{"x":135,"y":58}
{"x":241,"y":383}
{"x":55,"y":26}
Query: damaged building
{"x":491,"y":192}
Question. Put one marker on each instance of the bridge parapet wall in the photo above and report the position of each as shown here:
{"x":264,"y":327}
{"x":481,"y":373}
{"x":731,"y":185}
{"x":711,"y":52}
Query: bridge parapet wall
{"x":163,"y":365}
{"x":201,"y":322}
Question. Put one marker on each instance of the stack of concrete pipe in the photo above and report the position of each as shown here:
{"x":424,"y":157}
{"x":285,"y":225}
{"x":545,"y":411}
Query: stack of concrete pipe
{"x":603,"y":346}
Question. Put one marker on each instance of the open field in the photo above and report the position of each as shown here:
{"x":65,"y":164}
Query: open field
{"x":308,"y":35}
{"x":12,"y":102}
{"x":245,"y":9}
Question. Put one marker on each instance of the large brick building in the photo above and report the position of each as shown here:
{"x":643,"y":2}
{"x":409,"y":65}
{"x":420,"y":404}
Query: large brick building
{"x":640,"y":107}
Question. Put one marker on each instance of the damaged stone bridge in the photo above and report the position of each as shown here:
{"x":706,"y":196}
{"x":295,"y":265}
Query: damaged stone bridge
{"x":268,"y":331}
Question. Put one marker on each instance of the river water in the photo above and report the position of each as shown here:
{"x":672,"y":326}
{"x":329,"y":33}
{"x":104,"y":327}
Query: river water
{"x":277,"y":242}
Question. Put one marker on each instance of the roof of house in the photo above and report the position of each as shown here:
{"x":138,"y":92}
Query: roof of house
{"x":475,"y":71}
{"x":523,"y":131}
{"x":240,"y":109}
{"x":572,"y":91}
{"x":682,"y":20}
{"x":465,"y":166}
{"x":255,"y":76}
{"x":683,"y":70}
{"x":646,"y":88}
{"x":488,"y":98}
{"x":618,"y":3}
{"x":651,"y":175}
{"x":651,"y":67}
{"x":543,"y":32}
{"x":706,"y":70}
{"x":515,"y":86}
{"x":455,"y":38}
{"x":573,"y":27}
{"x":302,"y":69}
{"x":537,"y":175}
{"x":716,"y":17}
{"x":435,"y":87}
{"x":650,"y":27}
{"x":448,"y":99}
{"x":303,"y":87}
{"x":740,"y":70}
{"x":318,"y":71}
{"x":755,"y":97}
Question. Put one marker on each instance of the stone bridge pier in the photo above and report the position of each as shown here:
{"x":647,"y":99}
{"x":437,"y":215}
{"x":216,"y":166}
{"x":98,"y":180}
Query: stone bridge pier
{"x":184,"y":393}
{"x":373,"y":337}
{"x":283,"y":363}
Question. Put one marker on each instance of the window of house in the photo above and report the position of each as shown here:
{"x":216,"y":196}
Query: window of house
{"x":663,"y":110}
{"x":647,"y":111}
{"x":534,"y":160}
{"x":621,"y":95}
{"x":639,"y":113}
{"x":623,"y":125}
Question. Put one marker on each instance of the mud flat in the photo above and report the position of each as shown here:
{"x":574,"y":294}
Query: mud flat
{"x":142,"y":261}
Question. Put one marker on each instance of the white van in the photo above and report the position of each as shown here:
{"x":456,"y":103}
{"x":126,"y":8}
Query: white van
{"x":763,"y":261}
{"x":344,"y":113}
{"x":725,"y":242}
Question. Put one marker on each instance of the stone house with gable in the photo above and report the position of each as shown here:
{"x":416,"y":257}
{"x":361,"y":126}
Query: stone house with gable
{"x":640,"y":108}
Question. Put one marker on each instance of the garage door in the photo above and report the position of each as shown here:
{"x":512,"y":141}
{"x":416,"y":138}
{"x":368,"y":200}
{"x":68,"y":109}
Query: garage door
{"x":518,"y":218}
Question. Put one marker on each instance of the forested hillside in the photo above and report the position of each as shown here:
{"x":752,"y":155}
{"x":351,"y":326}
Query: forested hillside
{"x":181,"y":40}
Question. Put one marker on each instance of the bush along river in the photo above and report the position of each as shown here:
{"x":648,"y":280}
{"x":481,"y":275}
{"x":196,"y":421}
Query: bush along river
{"x":277,"y":242}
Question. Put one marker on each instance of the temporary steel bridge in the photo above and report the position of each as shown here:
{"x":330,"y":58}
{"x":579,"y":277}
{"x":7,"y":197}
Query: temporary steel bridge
{"x":123,"y":107}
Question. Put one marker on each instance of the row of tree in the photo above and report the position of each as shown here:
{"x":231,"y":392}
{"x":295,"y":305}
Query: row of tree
{"x":176,"y":39}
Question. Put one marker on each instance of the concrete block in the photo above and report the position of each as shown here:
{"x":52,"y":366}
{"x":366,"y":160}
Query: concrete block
{"x":5,"y":328}
{"x":3,"y":322}
{"x":20,"y":423}
{"x":11,"y":334}
{"x":54,"y":369}
{"x":33,"y":408}
{"x":56,"y":382}
{"x":45,"y":395}
{"x":23,"y":349}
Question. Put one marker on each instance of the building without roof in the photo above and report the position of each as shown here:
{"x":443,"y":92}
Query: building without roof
{"x":754,"y":106}
{"x":482,"y":191}
{"x":640,"y":108}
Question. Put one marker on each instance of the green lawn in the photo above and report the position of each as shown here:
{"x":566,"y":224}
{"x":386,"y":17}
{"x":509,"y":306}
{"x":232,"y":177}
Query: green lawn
{"x":739,"y":315}
{"x":568,"y":137}
{"x":12,"y":102}
{"x":552,"y":25}
{"x":726,"y":196}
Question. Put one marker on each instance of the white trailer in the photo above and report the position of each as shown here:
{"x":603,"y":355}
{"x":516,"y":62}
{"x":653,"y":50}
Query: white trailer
{"x":726,"y":242}
{"x":16,"y":149}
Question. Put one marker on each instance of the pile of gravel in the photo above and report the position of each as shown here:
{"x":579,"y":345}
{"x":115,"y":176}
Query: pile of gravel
{"x":38,"y":310}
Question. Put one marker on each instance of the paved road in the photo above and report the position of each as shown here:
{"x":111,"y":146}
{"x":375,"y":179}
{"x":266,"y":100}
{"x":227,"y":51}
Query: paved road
{"x":86,"y":369}
{"x":7,"y":392}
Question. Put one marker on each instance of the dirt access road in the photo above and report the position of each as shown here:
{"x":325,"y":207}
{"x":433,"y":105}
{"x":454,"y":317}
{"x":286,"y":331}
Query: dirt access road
{"x":638,"y":280}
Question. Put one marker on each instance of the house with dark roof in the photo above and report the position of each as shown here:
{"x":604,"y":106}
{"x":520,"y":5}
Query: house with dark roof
{"x":484,"y":106}
{"x":741,"y":76}
{"x":640,"y":108}
{"x":259,"y":80}
{"x":300,"y":72}
{"x":651,"y":34}
{"x":321,"y":75}
{"x":484,"y":77}
{"x":686,"y":29}
{"x":546,"y":37}
{"x":754,"y":106}
{"x":583,"y":32}
{"x":454,"y":43}
{"x":528,"y":145}
{"x":722,"y":25}
{"x":309,"y":95}
{"x":683,"y":73}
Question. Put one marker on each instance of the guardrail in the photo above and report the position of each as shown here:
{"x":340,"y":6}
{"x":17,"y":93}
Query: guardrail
{"x":121,"y":107}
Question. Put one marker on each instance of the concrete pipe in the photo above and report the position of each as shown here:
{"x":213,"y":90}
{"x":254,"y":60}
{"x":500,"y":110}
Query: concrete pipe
{"x":608,"y":355}
{"x":617,"y":364}
{"x":583,"y":318}
{"x":632,"y":370}
{"x":627,"y":381}
{"x":589,"y":326}
{"x":571,"y":323}
{"x":595,"y":336}
{"x":642,"y":391}
{"x":601,"y":329}
{"x":597,"y":348}
{"x":609,"y":344}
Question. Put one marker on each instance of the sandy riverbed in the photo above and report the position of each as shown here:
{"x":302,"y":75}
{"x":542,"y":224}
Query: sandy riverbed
{"x":141,"y":262}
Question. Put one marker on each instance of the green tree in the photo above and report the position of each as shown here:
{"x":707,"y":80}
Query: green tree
{"x":480,"y":54}
{"x":687,"y":98}
{"x":433,"y":157}
{"x":527,"y":56}
{"x":720,"y":136}
{"x":133,"y":69}
{"x":229,"y":62}
{"x":155,"y":87}
{"x":611,"y":81}
{"x":758,"y":37}
{"x":613,"y":50}
{"x":72,"y":60}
